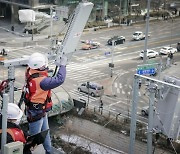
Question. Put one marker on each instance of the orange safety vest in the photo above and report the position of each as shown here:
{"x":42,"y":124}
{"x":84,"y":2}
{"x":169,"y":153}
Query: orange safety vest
{"x":16,"y":134}
{"x":37,"y":100}
{"x":36,"y":94}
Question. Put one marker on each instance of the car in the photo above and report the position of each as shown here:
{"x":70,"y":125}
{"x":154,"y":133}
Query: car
{"x":2,"y":58}
{"x":94,"y":89}
{"x":117,"y":40}
{"x":145,"y":111}
{"x":138,"y":35}
{"x":167,"y":50}
{"x":90,"y":42}
{"x":178,"y":47}
{"x":150,"y":53}
{"x":89,"y":46}
{"x":25,"y":57}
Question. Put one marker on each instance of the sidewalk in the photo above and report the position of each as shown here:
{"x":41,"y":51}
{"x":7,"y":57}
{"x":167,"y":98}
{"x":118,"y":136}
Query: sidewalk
{"x":173,"y":70}
{"x":108,"y":85}
{"x":19,"y":28}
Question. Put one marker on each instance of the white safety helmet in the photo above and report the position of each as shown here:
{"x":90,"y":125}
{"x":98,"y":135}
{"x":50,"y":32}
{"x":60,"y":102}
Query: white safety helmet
{"x":37,"y":60}
{"x":14,"y":112}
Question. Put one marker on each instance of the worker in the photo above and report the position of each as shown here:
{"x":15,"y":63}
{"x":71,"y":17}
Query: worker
{"x":14,"y":132}
{"x":38,"y":94}
{"x":171,"y":57}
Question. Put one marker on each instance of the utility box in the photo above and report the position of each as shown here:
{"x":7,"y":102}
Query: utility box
{"x":13,"y":148}
{"x":167,"y":115}
{"x":79,"y":103}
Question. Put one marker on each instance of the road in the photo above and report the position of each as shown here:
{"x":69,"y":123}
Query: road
{"x":92,"y":65}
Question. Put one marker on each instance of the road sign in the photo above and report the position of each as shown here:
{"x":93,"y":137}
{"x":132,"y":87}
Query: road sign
{"x":147,"y":71}
{"x":107,"y":53}
{"x":146,"y":67}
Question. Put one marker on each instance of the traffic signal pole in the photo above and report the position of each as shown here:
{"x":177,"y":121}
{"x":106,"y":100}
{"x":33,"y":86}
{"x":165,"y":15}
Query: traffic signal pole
{"x":134,"y":115}
{"x":111,"y":65}
{"x":152,"y":90}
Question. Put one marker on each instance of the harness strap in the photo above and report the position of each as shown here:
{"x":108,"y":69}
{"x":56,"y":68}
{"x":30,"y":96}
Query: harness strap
{"x":36,"y":106}
{"x":38,"y":116}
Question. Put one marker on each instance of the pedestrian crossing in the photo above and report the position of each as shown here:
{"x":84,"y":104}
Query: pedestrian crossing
{"x":82,"y":96}
{"x":83,"y":73}
{"x":20,"y":52}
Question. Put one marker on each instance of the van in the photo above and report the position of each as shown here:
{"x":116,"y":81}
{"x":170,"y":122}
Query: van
{"x":93,"y":88}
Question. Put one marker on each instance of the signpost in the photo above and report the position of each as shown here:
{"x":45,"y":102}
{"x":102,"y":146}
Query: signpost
{"x":107,"y":53}
{"x":146,"y":69}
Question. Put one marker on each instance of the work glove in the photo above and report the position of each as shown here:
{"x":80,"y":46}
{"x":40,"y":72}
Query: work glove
{"x":61,"y":61}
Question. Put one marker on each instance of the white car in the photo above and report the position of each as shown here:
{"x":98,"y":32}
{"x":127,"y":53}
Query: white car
{"x":167,"y":50}
{"x":150,"y":53}
{"x":138,"y":36}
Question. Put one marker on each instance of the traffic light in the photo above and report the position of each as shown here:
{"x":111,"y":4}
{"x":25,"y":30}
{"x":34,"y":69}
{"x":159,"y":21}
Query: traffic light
{"x":111,"y":65}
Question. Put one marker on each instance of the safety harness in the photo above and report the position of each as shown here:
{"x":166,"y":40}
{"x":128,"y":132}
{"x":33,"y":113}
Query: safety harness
{"x":39,"y":109}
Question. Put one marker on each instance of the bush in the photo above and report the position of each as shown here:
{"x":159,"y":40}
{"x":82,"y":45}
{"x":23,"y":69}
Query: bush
{"x":95,"y":24}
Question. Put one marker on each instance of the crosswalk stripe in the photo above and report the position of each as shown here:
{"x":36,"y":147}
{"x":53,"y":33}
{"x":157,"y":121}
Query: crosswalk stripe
{"x":83,"y":95}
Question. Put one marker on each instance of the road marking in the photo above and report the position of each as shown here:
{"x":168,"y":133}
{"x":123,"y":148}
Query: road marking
{"x":120,"y":85}
{"x":105,"y":38}
{"x":115,"y":103}
{"x":120,"y":48}
{"x":82,"y":95}
{"x":115,"y":84}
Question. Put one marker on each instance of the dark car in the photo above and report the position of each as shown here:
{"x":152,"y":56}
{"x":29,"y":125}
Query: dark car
{"x":117,"y":40}
{"x":178,"y":46}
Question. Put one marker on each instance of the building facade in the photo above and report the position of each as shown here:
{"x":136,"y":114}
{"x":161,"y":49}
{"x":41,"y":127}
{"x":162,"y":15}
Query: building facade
{"x":9,"y":8}
{"x":102,"y":8}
